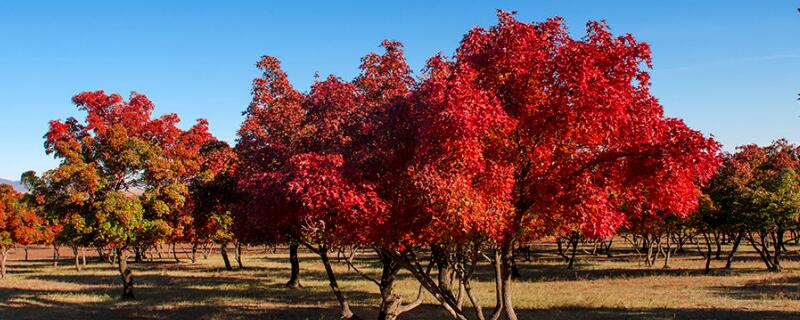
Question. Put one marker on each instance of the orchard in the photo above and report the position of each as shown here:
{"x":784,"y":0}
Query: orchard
{"x":525,"y":137}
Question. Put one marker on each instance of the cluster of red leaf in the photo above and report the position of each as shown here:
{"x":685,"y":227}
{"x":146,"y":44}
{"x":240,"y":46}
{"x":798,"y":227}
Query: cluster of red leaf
{"x":525,"y":132}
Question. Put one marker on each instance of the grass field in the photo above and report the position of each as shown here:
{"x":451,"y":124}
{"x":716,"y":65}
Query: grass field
{"x":599,"y":288}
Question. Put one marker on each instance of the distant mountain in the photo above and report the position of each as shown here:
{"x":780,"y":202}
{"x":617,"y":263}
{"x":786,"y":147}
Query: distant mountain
{"x":16,"y":184}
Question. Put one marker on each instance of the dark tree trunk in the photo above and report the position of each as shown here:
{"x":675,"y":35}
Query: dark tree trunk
{"x":574,"y":244}
{"x":223,"y":249}
{"x":137,"y":254}
{"x":239,"y":255}
{"x":194,"y":252}
{"x":669,"y":247}
{"x":340,"y":296}
{"x":126,"y":274}
{"x":25,"y":248}
{"x":736,"y":241}
{"x":294,"y":261}
{"x":175,"y":253}
{"x":708,"y":252}
{"x":778,"y":245}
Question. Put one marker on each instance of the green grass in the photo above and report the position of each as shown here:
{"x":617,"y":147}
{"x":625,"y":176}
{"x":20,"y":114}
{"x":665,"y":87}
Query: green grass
{"x":599,"y":288}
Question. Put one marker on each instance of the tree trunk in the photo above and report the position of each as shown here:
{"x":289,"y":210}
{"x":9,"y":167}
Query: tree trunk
{"x":778,"y":245}
{"x":223,"y":249}
{"x":25,"y":248}
{"x":239,"y":255}
{"x":126,"y":274}
{"x":708,"y":252}
{"x":175,"y":253}
{"x":340,"y":296}
{"x":194,"y":252}
{"x":55,"y":256}
{"x":137,"y":254}
{"x":4,"y":253}
{"x":294,"y":261}
{"x":83,"y":256}
{"x":443,"y":265}
{"x":573,"y":241}
{"x":669,"y":247}
{"x":729,"y":261}
{"x":505,"y":268}
{"x":391,"y":300}
{"x":498,"y":284}
{"x":77,"y":258}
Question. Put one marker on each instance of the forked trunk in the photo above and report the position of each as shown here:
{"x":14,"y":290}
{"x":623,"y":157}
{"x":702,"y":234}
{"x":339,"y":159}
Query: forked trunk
{"x":126,"y":274}
{"x":498,"y":285}
{"x":294,"y":261}
{"x":391,"y":300}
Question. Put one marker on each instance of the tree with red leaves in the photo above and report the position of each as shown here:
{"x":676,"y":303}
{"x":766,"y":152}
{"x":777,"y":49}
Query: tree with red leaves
{"x":525,"y":133}
{"x":116,"y":151}
{"x":529,"y":130}
{"x":19,"y":223}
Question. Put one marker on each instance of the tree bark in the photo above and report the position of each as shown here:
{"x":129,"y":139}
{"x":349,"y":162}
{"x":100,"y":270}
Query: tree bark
{"x":498,"y":285}
{"x":238,"y":249}
{"x":194,"y":252}
{"x":729,"y":261}
{"x":708,"y":252}
{"x":669,"y":247}
{"x":573,"y":241}
{"x":223,"y":249}
{"x":175,"y":253}
{"x":391,"y":300}
{"x":77,"y":258}
{"x":340,"y":296}
{"x":25,"y":248}
{"x":55,"y":256}
{"x":294,"y":261}
{"x":126,"y":274}
{"x":3,"y":262}
{"x":505,"y":268}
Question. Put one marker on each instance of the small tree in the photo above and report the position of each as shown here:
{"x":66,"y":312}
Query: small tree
{"x":19,"y":223}
{"x":117,"y":151}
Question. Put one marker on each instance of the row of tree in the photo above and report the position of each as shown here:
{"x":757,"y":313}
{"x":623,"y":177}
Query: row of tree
{"x":524,"y":133}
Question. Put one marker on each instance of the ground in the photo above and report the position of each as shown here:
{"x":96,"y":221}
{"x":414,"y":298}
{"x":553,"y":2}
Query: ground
{"x":599,"y":288}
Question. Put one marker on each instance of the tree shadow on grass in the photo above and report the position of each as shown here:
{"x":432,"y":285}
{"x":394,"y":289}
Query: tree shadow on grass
{"x":782,"y":288}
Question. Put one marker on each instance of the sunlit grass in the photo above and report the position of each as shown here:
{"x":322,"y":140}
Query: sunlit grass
{"x":598,"y":288}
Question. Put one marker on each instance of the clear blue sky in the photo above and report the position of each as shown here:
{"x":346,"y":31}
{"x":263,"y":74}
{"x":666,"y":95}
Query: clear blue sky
{"x":729,"y":68}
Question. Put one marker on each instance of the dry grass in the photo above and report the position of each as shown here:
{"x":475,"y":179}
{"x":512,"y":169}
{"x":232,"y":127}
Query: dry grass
{"x":600,"y":288}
